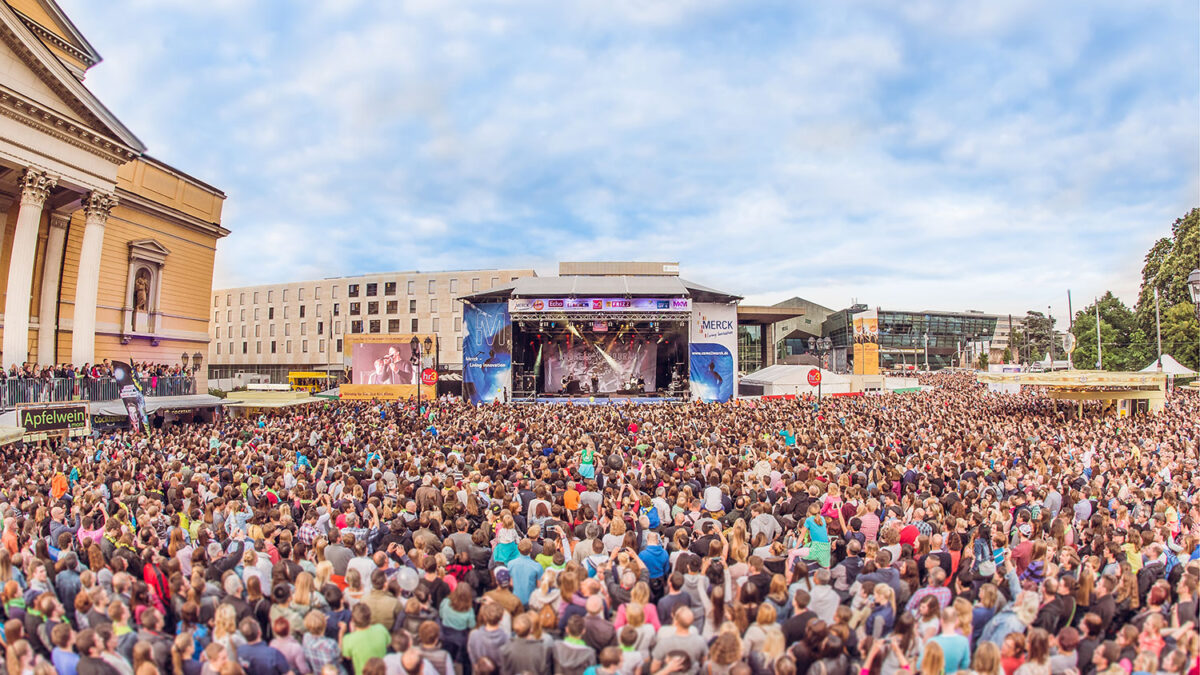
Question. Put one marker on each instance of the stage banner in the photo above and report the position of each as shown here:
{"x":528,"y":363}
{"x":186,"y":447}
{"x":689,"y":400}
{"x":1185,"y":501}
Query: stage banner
{"x":131,"y":395}
{"x":487,"y":353}
{"x":866,"y":343}
{"x":386,"y":366}
{"x":606,"y":364}
{"x":712,"y":351}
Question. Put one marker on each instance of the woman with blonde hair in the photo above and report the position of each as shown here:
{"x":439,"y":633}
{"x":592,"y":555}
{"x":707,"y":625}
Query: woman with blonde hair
{"x":225,"y":632}
{"x":635,"y":617}
{"x":986,"y":660}
{"x":19,"y":659}
{"x":724,"y":654}
{"x":934,"y":660}
{"x":546,"y":592}
{"x":616,"y":533}
{"x":761,"y":631}
{"x":354,"y":588}
{"x":640,"y":595}
{"x":305,"y":596}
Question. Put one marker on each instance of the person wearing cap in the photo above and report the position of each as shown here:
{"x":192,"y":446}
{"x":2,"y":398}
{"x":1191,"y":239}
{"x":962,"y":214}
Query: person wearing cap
{"x":502,"y":594}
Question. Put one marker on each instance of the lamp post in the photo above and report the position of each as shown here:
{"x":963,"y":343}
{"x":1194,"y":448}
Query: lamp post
{"x":1193,"y":282}
{"x":414,"y":346}
{"x":197,"y":360}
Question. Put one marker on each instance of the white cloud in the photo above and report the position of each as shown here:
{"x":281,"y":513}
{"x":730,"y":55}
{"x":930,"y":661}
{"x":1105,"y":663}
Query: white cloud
{"x":925,"y":154}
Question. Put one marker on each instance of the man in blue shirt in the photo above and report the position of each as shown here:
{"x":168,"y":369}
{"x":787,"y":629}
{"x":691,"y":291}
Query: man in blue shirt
{"x":955,"y":648}
{"x":525,"y":572}
{"x":257,"y":656}
{"x":655,"y":557}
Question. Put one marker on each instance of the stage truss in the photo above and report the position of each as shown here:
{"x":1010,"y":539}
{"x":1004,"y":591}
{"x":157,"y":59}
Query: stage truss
{"x":601,"y":316}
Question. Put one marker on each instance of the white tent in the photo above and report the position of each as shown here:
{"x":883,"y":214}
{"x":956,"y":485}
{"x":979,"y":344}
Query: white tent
{"x":1169,"y":366}
{"x":781,"y":379}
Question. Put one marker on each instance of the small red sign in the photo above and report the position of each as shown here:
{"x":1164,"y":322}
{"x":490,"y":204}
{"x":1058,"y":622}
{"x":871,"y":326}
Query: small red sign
{"x":429,"y":377}
{"x":814,"y":377}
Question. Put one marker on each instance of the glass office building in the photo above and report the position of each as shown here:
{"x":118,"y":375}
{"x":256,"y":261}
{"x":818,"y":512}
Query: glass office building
{"x":910,"y":340}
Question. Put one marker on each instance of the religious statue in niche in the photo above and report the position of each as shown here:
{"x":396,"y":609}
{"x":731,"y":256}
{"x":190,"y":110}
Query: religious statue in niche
{"x":141,"y":299}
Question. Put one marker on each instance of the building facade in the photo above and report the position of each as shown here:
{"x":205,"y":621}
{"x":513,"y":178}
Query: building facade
{"x":908,"y":340}
{"x":274,"y":329}
{"x":107,"y":252}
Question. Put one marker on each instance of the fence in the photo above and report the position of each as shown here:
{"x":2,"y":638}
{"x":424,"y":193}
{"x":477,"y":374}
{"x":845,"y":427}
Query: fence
{"x":14,"y":391}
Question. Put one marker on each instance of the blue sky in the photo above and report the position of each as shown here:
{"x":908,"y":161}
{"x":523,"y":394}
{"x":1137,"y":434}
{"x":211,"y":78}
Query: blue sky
{"x":948,"y":155}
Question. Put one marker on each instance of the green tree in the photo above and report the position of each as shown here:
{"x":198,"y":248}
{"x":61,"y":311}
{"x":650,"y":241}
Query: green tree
{"x":1034,"y":340}
{"x":982,"y":363}
{"x":1166,"y":268}
{"x":1124,"y":345}
{"x":1007,"y":355}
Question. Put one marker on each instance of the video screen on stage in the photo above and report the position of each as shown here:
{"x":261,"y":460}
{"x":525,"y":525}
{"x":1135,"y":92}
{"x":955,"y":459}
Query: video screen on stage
{"x":384,"y":363}
{"x":386,"y":367}
{"x":601,"y":366}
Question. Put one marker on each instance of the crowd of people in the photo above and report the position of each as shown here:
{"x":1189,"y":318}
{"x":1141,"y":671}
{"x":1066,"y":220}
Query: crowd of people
{"x":948,"y":531}
{"x":32,"y":382}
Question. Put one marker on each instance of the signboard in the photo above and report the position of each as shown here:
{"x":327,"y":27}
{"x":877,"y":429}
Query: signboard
{"x":42,"y":420}
{"x":552,"y":305}
{"x":429,"y":377}
{"x":814,"y":377}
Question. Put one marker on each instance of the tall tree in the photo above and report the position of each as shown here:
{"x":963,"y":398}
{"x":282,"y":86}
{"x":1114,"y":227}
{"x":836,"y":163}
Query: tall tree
{"x":1166,"y":268}
{"x":1035,"y":337}
{"x":1124,"y":344}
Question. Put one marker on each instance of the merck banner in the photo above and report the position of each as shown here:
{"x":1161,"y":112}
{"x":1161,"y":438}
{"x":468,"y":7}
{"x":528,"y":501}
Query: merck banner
{"x":487,"y":353}
{"x":712,"y":351}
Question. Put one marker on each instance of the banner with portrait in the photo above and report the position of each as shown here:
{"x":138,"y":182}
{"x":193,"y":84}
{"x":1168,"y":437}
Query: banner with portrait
{"x":866,"y":343}
{"x":132,"y":395}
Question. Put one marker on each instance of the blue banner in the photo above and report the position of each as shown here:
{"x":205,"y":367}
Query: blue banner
{"x":487,"y":353}
{"x":711,"y":370}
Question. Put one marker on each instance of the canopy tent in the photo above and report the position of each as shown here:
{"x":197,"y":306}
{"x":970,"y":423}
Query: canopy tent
{"x":11,"y":434}
{"x":781,"y":379}
{"x":1169,"y":366}
{"x":155,"y":403}
{"x":270,"y":404}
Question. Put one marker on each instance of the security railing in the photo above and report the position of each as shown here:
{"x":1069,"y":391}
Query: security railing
{"x":54,"y":390}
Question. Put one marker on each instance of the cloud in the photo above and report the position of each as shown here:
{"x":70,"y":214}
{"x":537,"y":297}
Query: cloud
{"x":920,"y":155}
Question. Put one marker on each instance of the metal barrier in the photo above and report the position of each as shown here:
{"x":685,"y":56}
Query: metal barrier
{"x":14,"y":391}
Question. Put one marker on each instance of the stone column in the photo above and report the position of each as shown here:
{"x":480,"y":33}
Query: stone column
{"x":96,"y":207}
{"x":51,"y":273}
{"x":6,"y":203}
{"x":35,"y":187}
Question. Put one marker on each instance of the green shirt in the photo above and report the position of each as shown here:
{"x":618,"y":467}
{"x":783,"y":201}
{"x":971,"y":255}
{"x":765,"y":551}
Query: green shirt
{"x":363,"y":645}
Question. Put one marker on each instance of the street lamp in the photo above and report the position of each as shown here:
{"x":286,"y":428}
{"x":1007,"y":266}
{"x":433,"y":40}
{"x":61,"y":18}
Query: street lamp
{"x":197,"y":359}
{"x":1193,"y":283}
{"x":414,"y":346}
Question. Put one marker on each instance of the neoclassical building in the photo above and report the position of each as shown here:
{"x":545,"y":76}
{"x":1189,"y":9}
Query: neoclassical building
{"x":107,"y":253}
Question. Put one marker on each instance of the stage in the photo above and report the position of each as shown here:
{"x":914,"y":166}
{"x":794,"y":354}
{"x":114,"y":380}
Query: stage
{"x":603,"y":400}
{"x":599,"y":339}
{"x":584,"y":357}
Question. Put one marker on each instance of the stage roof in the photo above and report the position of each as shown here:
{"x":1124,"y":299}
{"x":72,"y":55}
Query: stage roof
{"x":595,"y":286}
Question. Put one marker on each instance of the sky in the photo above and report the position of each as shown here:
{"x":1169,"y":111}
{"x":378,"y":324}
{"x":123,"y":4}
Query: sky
{"x":912,"y":155}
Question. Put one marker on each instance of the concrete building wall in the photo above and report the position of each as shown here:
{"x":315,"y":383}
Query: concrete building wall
{"x":246,"y":320}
